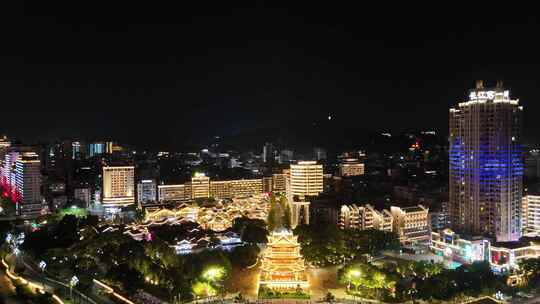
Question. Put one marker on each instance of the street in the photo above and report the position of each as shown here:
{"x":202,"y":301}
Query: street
{"x":7,"y":290}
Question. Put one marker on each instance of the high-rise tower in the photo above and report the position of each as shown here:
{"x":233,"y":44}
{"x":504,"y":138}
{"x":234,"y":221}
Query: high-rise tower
{"x":118,"y":185}
{"x":486,"y":167}
{"x":28,"y":184}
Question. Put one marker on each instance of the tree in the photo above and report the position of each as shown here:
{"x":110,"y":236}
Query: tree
{"x":370,"y":241}
{"x":244,"y":256}
{"x":252,"y":231}
{"x":272,"y":223}
{"x":530,"y":268}
{"x":322,"y":245}
{"x":287,"y":217}
{"x":471,"y":280}
{"x":255,"y":235}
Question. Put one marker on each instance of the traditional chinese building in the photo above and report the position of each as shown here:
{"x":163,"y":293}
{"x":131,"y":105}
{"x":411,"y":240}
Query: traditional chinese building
{"x":282,"y":265}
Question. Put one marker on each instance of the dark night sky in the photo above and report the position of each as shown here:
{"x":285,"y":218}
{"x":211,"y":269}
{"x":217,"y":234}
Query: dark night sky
{"x":164,"y":75}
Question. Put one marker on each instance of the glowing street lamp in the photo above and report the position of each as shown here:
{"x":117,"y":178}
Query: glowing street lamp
{"x":213,"y":274}
{"x":72,"y":283}
{"x":353,"y":274}
{"x":42,"y":265}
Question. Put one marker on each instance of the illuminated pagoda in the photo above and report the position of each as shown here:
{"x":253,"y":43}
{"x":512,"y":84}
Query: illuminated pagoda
{"x":282,"y":264}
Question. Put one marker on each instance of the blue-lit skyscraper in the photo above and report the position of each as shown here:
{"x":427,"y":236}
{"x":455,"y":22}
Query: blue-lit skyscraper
{"x":486,"y":168}
{"x":96,"y":149}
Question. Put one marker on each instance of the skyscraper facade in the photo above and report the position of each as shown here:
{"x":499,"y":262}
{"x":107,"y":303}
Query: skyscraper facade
{"x":486,"y":168}
{"x":306,"y":179}
{"x":146,"y":191}
{"x":28,"y":184}
{"x":118,"y":185}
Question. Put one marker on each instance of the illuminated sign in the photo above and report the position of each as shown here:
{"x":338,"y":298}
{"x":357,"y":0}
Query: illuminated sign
{"x":487,"y":95}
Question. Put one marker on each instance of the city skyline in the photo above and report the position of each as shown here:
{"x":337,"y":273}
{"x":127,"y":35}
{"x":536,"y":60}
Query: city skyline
{"x":267,"y":152}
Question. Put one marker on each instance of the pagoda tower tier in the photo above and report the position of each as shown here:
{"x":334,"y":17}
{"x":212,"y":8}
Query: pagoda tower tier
{"x":282,"y":264}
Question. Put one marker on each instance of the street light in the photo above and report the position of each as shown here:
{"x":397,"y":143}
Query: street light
{"x":353,"y":273}
{"x":42,"y":265}
{"x":72,"y":283}
{"x":214,"y":274}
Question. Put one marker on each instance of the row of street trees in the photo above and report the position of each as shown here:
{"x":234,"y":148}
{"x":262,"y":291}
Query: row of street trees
{"x":408,"y":280}
{"x":324,"y":245}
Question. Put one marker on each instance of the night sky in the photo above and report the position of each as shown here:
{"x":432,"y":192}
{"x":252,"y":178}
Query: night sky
{"x":164,"y":75}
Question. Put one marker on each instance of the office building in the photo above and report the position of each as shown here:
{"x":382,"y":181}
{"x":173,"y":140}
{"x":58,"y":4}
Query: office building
{"x":486,"y":167}
{"x":8,"y":172}
{"x":83,"y":194}
{"x":411,"y":224}
{"x":268,"y":184}
{"x":303,"y":180}
{"x":110,"y":147}
{"x":78,"y":150}
{"x":245,"y":187}
{"x":5,"y":143}
{"x":531,"y":214}
{"x":118,"y":185}
{"x":279,"y":181}
{"x":28,"y":184}
{"x":146,"y":191}
{"x":365,"y":217}
{"x":306,"y":179}
{"x":351,"y":167}
{"x":532,"y":163}
{"x":438,"y":220}
{"x":96,"y":149}
{"x":200,"y":186}
{"x":174,"y":193}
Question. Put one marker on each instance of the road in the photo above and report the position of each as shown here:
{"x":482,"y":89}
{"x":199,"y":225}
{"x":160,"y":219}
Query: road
{"x":7,"y":290}
{"x":61,"y":287}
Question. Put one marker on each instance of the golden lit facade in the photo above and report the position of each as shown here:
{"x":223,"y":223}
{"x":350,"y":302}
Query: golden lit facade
{"x":282,"y":264}
{"x":531,"y":215}
{"x":306,"y":179}
{"x":4,"y":142}
{"x":365,"y":217}
{"x":278,"y":181}
{"x":411,"y":224}
{"x":236,"y":188}
{"x":118,"y":185}
{"x":218,"y":217}
{"x":173,"y":193}
{"x":200,"y":186}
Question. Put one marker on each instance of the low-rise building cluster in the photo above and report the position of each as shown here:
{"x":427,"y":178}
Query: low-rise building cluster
{"x":411,"y":224}
{"x":217,"y":217}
